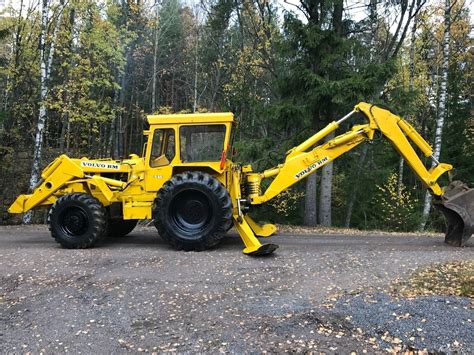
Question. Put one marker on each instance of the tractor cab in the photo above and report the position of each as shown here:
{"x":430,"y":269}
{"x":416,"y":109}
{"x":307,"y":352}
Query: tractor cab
{"x":186,"y":142}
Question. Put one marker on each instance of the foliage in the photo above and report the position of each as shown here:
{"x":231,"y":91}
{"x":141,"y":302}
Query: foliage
{"x":86,"y":49}
{"x":394,"y":210}
{"x":19,"y":72}
{"x":287,"y":202}
{"x":284,"y":71}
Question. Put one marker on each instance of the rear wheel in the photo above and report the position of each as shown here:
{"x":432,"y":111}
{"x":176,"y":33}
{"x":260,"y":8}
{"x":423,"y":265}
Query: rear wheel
{"x":77,"y":221}
{"x":118,"y":228}
{"x":192,"y":211}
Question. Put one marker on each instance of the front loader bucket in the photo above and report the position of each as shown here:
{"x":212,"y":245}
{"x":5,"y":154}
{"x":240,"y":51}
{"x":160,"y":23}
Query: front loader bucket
{"x":457,"y":205}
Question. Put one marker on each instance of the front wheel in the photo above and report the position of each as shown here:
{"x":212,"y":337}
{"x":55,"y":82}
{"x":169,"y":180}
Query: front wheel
{"x":192,"y":211}
{"x":77,"y":221}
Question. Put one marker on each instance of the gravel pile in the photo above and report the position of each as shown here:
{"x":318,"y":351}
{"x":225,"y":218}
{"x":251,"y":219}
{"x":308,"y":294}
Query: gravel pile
{"x":434,"y":323}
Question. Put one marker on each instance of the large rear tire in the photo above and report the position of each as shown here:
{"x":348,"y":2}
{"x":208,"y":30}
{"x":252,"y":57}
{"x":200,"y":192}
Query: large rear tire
{"x":77,"y":221}
{"x":192,"y":211}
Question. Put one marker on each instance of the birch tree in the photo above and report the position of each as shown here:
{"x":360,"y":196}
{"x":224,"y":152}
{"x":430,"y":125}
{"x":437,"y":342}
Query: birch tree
{"x":443,"y":94}
{"x":46,"y":60}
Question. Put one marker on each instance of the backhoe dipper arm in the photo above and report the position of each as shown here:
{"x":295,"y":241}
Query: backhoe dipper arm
{"x":300,"y":162}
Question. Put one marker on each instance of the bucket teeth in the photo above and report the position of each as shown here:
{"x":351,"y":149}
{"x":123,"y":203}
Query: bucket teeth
{"x":457,"y":205}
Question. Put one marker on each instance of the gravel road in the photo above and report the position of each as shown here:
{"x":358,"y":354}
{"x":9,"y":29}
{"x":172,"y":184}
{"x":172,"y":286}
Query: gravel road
{"x":324,"y":292}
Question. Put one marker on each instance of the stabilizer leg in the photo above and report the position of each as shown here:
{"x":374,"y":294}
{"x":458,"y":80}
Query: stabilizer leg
{"x":252,"y":244}
{"x":264,"y":231}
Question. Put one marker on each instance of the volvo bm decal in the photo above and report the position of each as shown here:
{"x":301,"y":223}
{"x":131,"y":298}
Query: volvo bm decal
{"x":90,"y":164}
{"x":312,"y":167}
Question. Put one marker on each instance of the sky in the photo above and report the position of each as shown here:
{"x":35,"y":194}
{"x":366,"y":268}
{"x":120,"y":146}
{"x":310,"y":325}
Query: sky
{"x":357,"y":7}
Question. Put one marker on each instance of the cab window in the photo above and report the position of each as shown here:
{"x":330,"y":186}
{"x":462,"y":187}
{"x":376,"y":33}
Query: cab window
{"x":201,"y":143}
{"x":163,"y":147}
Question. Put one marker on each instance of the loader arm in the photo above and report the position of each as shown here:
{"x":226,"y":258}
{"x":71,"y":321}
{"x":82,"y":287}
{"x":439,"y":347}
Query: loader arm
{"x":53,"y":177}
{"x":300,"y":162}
{"x":64,"y":171}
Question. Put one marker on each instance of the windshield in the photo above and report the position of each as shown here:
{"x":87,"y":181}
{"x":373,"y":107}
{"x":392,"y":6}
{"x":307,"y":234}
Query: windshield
{"x":202,"y":143}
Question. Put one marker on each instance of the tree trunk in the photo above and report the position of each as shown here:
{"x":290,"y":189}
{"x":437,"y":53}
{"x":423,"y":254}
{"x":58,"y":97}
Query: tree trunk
{"x":67,"y":99}
{"x":112,"y":151}
{"x":411,"y":78}
{"x":325,"y":197}
{"x":354,"y":190}
{"x":401,"y":164}
{"x":45,"y":70}
{"x":443,"y":93}
{"x":173,"y":104}
{"x":373,"y":18}
{"x":64,"y":126}
{"x":155,"y":63}
{"x":35,"y":168}
{"x":119,"y":128}
{"x":7,"y":123}
{"x":195,"y":89}
{"x":311,"y":194}
{"x":310,"y":201}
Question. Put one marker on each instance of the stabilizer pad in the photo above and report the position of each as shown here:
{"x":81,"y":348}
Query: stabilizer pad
{"x":265,"y":249}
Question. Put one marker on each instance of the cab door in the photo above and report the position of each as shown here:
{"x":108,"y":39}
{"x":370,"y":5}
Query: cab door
{"x":160,"y":158}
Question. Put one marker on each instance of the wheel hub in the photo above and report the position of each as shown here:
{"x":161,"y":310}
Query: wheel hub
{"x":193,"y":211}
{"x":74,"y":221}
{"x":190,"y":211}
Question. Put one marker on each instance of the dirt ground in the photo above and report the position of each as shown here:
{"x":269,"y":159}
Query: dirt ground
{"x":325,"y":292}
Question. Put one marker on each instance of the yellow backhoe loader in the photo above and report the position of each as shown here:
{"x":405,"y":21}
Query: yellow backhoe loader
{"x":187,"y":184}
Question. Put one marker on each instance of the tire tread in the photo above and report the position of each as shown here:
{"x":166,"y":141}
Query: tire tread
{"x":216,"y":188}
{"x":99,"y":221}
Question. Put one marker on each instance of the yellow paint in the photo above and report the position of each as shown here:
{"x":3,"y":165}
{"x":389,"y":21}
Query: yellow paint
{"x":191,"y":118}
{"x":136,"y":181}
{"x":264,"y":231}
{"x":137,"y":209}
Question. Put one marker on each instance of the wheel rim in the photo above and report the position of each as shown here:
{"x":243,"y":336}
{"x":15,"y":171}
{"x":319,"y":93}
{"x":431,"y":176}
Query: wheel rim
{"x":190,"y":213}
{"x":74,"y":221}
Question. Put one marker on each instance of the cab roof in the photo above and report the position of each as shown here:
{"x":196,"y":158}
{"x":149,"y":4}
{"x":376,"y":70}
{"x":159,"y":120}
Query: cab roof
{"x":191,"y":118}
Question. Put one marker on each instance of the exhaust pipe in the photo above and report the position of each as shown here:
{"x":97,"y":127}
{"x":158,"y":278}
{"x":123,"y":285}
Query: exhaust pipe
{"x":457,"y":205}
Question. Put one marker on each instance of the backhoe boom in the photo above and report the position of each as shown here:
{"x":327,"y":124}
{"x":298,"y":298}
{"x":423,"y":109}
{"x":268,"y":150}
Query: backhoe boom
{"x":310,"y":156}
{"x":299,"y":162}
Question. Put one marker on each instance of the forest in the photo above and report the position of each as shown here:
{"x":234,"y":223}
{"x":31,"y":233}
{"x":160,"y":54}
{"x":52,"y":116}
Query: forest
{"x":78,"y":77}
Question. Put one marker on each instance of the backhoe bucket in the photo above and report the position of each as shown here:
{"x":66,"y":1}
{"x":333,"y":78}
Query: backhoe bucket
{"x":457,"y":205}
